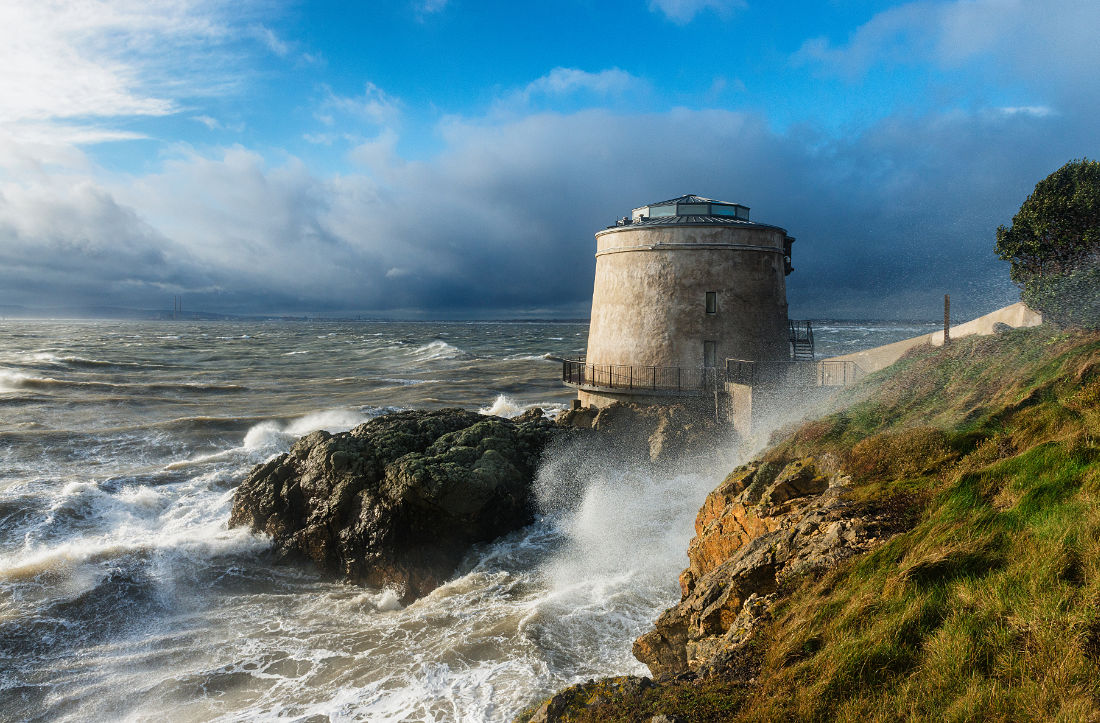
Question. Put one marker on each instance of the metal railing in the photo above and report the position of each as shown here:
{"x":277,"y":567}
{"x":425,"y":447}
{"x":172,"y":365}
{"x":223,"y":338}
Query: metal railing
{"x":801,"y":337}
{"x":681,"y":381}
{"x":827,"y":373}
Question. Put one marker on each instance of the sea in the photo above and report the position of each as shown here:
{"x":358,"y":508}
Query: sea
{"x":125,"y":596}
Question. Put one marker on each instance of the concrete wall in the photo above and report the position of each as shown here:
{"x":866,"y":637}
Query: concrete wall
{"x":648,"y":300}
{"x":1016,"y":315}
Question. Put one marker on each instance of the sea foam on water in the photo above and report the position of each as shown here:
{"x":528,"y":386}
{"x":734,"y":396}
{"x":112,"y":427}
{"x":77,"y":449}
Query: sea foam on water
{"x":124,"y":595}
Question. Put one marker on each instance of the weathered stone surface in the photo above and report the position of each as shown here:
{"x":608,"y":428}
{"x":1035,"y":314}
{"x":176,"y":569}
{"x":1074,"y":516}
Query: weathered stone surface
{"x":398,"y":500}
{"x":761,"y":525}
{"x":567,"y":704}
{"x":664,"y":433}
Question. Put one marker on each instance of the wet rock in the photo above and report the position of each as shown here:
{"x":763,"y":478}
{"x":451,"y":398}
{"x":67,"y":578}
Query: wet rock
{"x":579,"y":418}
{"x":763,"y":524}
{"x":398,"y":500}
{"x":662,"y":433}
{"x":568,"y":704}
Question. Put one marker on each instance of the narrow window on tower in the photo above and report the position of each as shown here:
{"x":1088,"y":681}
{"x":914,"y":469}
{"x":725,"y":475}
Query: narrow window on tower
{"x":712,"y":302}
{"x":710,"y":354}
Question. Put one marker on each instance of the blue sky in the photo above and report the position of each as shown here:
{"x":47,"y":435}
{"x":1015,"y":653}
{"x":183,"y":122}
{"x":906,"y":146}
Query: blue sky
{"x":442,"y":158}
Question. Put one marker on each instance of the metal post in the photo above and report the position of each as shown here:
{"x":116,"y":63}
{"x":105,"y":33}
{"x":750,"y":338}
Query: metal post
{"x":946,"y":319}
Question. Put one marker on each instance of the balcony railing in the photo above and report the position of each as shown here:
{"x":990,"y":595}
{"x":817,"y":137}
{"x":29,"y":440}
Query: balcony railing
{"x":678,"y":381}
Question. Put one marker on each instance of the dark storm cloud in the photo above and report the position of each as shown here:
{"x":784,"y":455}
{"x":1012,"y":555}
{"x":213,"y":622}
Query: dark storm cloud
{"x":502,"y":221}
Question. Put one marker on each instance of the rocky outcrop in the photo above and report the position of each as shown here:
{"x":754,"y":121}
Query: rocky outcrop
{"x":398,"y":500}
{"x":762,"y":525}
{"x":574,"y":701}
{"x":664,"y":433}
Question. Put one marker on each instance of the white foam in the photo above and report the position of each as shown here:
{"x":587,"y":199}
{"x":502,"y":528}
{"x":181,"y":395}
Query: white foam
{"x":507,"y":407}
{"x":186,"y":520}
{"x":12,"y":381}
{"x":271,"y":437}
{"x":408,"y":382}
{"x":436,"y":350}
{"x":331,"y":420}
{"x":266,"y":435}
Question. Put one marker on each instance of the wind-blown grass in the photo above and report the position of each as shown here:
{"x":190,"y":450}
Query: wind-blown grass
{"x":988,"y":608}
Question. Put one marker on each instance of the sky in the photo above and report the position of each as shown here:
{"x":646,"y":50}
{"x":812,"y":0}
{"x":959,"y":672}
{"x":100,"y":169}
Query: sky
{"x":453,"y":159}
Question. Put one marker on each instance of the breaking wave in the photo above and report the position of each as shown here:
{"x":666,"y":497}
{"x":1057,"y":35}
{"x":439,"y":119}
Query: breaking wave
{"x":438,"y":350}
{"x":507,"y":407}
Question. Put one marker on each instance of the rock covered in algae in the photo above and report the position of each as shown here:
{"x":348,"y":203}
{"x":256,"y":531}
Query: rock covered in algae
{"x":398,"y":500}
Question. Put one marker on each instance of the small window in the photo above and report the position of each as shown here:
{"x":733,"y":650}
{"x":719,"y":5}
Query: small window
{"x":712,"y":302}
{"x":710,"y":354}
{"x":692,"y":209}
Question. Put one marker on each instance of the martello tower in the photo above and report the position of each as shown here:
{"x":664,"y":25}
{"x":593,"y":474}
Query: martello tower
{"x":682,"y":285}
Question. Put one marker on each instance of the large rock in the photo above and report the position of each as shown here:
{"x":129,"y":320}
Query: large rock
{"x":398,"y":500}
{"x":764,"y":523}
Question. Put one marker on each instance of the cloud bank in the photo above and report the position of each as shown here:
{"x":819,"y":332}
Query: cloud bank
{"x":498,"y":219}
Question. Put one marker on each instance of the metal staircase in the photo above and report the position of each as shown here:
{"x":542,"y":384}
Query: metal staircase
{"x":802,"y":340}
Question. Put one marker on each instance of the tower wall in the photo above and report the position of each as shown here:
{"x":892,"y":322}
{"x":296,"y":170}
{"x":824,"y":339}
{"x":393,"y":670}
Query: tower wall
{"x":649,"y":297}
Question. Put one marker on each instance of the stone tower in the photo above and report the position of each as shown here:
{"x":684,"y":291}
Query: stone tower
{"x":681,"y":286}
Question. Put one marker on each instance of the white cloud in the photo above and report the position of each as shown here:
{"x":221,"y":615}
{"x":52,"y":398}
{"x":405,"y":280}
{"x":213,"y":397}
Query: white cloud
{"x":568,"y":84}
{"x":108,"y":59}
{"x":271,"y":40}
{"x":1042,"y":46}
{"x":562,"y":81}
{"x":682,"y":12}
{"x":1038,"y":111}
{"x":379,"y":153}
{"x":375,"y":106}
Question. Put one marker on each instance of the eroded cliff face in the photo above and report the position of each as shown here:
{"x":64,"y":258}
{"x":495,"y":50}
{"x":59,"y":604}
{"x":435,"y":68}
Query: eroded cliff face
{"x":398,"y":500}
{"x":765,"y":523}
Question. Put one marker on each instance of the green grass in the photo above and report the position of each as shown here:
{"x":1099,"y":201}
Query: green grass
{"x":988,"y":607}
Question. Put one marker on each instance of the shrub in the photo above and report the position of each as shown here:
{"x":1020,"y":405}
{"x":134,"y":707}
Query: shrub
{"x":1053,"y":245}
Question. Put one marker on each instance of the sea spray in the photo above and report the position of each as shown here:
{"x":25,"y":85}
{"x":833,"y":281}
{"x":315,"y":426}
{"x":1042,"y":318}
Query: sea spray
{"x":624,"y":524}
{"x":506,"y":406}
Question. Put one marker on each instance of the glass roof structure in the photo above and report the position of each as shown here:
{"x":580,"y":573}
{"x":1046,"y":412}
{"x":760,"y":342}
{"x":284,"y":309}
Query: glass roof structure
{"x":691,"y":205}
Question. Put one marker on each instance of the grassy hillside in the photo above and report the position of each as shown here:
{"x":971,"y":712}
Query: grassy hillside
{"x":988,"y":607}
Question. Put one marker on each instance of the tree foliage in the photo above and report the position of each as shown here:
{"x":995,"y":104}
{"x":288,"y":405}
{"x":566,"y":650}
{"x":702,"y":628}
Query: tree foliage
{"x":1053,"y":245}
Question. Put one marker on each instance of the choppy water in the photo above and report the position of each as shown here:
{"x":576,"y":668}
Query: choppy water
{"x":124,"y":596}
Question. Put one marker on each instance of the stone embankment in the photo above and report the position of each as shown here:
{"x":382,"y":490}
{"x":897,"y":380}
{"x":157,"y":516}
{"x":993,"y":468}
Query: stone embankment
{"x":399,"y":500}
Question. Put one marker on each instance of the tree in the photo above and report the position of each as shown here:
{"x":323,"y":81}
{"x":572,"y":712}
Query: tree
{"x":1053,"y":245}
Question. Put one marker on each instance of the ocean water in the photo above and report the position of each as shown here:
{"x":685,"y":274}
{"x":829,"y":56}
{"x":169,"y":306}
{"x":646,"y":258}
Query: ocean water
{"x":124,"y":596}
